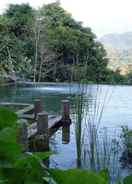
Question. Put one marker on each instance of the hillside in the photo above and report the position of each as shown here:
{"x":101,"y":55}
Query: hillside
{"x":118,"y":41}
{"x":119,"y":51}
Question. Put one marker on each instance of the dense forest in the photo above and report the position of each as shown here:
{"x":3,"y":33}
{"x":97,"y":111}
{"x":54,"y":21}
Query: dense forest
{"x":49,"y":45}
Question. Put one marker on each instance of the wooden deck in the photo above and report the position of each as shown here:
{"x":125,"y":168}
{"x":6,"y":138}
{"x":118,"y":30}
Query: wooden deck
{"x":38,"y":123}
{"x":52,"y":122}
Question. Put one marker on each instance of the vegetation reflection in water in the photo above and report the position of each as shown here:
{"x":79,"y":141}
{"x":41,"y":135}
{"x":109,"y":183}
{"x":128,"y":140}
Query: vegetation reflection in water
{"x":96,"y":148}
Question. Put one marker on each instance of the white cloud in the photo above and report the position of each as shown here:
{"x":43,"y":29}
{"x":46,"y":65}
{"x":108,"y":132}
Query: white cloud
{"x":103,"y":16}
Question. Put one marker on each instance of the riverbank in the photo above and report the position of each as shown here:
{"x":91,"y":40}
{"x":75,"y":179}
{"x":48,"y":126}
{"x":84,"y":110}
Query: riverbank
{"x":7,"y":84}
{"x":38,"y":84}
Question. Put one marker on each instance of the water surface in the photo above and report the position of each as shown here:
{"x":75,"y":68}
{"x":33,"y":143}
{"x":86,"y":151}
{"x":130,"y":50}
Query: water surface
{"x":103,"y":105}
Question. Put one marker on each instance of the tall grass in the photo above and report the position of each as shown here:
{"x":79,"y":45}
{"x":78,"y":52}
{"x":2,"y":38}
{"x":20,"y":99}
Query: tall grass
{"x":95,"y":148}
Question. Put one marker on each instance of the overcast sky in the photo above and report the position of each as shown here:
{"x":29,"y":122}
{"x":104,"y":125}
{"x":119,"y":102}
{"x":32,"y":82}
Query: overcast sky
{"x":103,"y":16}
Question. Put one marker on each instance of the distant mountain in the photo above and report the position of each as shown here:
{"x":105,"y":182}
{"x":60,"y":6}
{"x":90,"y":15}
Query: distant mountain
{"x":118,"y":41}
{"x":119,"y":51}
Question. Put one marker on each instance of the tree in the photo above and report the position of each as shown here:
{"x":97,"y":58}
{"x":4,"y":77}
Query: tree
{"x":51,"y":43}
{"x":17,"y":43}
{"x":73,"y":44}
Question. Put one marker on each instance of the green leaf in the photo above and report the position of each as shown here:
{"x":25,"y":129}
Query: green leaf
{"x":105,"y":174}
{"x":129,"y":133}
{"x":31,"y":160}
{"x":28,"y":161}
{"x":43,"y":155}
{"x":7,"y":118}
{"x":14,"y":176}
{"x":8,"y":135}
{"x":76,"y":176}
{"x":10,"y":150}
{"x":118,"y":181}
{"x":128,"y":180}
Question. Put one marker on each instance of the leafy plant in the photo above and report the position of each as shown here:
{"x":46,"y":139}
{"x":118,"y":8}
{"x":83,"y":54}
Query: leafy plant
{"x":77,"y":176}
{"x":14,"y":165}
{"x":126,"y":158}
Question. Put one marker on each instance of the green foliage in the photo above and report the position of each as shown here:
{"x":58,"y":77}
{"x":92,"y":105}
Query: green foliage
{"x":127,"y":135}
{"x":104,"y":174}
{"x":77,"y":176}
{"x":31,"y":160}
{"x":57,"y":41}
{"x":49,"y":45}
{"x":128,"y":180}
{"x":126,"y":158}
{"x":9,"y":153}
{"x":111,"y":77}
{"x":74,"y":44}
{"x":10,"y":150}
{"x":20,"y":20}
{"x":129,"y":78}
{"x":16,"y":167}
{"x":7,"y":118}
{"x":16,"y":39}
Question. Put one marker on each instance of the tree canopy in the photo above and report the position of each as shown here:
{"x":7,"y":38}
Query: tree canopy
{"x":48,"y":44}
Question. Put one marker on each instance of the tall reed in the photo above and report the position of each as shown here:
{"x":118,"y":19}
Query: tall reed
{"x":95,"y":148}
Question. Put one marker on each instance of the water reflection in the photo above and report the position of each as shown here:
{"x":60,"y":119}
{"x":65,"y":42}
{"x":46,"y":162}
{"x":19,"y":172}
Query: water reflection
{"x":66,"y":134}
{"x":89,"y":144}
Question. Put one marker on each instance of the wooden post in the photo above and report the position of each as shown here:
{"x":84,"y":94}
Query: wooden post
{"x":42,"y":128}
{"x":65,"y":110}
{"x":42,"y":124}
{"x":22,"y":134}
{"x":37,"y":107}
